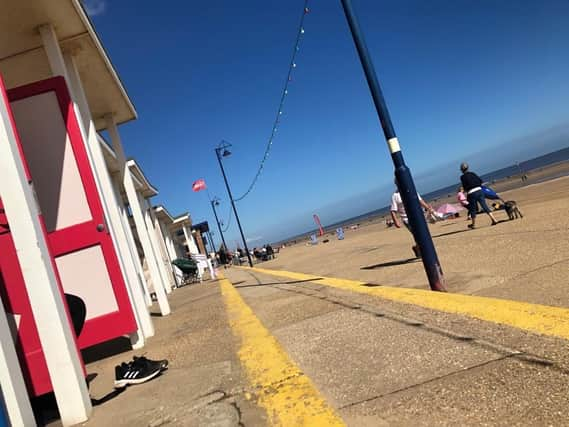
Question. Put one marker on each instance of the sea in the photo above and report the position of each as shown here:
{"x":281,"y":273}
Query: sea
{"x":546,"y":160}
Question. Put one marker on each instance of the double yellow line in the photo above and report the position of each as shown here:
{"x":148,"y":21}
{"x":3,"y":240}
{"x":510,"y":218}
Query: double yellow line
{"x":541,"y":319}
{"x":291,"y":399}
{"x":288,"y":396}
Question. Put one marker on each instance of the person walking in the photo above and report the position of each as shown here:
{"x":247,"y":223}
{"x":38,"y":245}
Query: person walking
{"x":472,"y":184}
{"x":398,"y":207}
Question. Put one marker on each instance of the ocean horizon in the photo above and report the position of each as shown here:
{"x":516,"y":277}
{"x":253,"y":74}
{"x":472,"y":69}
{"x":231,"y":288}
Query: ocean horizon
{"x":516,"y":169}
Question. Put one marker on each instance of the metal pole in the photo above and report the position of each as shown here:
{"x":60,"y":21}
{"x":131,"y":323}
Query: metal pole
{"x":207,"y":242}
{"x":218,"y":225}
{"x":4,"y":421}
{"x":217,"y":150}
{"x":402,"y":173}
{"x":209,"y":239}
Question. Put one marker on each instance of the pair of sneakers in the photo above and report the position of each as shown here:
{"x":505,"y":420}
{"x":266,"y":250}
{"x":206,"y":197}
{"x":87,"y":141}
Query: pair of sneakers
{"x":138,"y":371}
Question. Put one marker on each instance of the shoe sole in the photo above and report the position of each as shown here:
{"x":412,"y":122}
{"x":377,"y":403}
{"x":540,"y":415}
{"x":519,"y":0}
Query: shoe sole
{"x":128,"y":381}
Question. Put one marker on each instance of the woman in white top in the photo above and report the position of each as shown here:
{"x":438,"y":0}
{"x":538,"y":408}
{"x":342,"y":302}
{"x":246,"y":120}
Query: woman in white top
{"x":398,"y":207}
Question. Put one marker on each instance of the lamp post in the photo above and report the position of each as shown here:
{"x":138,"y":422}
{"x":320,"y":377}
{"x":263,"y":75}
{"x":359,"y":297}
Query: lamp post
{"x":212,"y":243}
{"x":4,"y":421}
{"x":402,"y":173}
{"x":222,"y":151}
{"x":214,"y":203}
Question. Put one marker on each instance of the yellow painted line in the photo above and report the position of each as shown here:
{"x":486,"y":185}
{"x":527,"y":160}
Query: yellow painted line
{"x":541,"y":319}
{"x":288,"y":396}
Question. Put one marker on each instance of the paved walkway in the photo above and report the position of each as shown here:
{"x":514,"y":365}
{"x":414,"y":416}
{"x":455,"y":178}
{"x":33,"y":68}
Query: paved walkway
{"x":277,"y":348}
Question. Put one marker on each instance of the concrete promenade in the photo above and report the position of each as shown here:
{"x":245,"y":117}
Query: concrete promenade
{"x":266,"y":347}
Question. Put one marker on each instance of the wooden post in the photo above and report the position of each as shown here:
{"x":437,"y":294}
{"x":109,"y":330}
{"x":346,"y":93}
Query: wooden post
{"x":56,"y":337}
{"x":12,"y":386}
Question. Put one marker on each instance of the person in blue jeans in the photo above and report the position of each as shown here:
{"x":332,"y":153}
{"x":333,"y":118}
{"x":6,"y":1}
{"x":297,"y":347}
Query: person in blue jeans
{"x":472,"y":185}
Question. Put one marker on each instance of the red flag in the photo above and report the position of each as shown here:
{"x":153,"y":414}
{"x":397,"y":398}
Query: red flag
{"x":199,"y":185}
{"x":317,"y":221}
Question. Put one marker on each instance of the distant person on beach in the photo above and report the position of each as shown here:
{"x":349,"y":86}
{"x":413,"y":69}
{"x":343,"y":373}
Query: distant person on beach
{"x":463,"y":200}
{"x":461,"y":197}
{"x":472,"y":184}
{"x":270,"y":251}
{"x":398,"y":208}
{"x":222,"y":256}
{"x":237,"y":256}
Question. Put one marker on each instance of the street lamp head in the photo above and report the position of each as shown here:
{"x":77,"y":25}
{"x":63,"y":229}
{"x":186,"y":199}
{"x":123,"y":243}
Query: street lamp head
{"x":222,"y":149}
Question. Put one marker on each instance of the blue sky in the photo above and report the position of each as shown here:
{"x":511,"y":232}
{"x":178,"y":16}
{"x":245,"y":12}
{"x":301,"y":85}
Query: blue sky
{"x":484,"y":81}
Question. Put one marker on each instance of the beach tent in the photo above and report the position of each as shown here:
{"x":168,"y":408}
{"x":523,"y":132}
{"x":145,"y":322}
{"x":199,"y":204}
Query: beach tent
{"x":449,"y":208}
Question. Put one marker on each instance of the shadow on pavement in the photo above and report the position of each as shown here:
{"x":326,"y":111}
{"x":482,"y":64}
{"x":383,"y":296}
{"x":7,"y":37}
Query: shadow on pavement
{"x":450,"y":233}
{"x":106,"y":349}
{"x":109,"y":396}
{"x":45,"y":409}
{"x":91,"y":377}
{"x":390,"y":264}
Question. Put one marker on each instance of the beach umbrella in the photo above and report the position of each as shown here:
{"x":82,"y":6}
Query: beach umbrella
{"x":449,"y":208}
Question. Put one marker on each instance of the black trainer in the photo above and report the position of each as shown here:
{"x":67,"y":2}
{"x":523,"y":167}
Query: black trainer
{"x":135,"y":372}
{"x":162,"y":364}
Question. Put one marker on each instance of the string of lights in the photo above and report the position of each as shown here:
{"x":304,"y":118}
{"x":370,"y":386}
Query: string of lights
{"x":276,"y":122}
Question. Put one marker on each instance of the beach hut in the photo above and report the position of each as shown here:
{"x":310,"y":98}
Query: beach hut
{"x":63,"y":227}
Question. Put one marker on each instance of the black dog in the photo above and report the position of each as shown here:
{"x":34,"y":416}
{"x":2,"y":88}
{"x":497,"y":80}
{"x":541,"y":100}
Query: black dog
{"x":512,"y":210}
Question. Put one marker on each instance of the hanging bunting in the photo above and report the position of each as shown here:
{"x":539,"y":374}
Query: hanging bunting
{"x":279,"y":114}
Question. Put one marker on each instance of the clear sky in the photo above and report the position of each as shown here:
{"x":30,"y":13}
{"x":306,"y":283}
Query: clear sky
{"x":484,"y":81}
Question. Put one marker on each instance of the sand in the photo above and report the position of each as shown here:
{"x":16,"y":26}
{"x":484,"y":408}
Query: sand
{"x":526,"y":259}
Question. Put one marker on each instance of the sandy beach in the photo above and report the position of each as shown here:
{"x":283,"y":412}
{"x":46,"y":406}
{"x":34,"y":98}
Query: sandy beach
{"x":524,"y":260}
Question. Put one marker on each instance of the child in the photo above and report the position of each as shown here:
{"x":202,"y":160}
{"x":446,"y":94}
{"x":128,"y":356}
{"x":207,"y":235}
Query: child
{"x":461,"y":197}
{"x":463,"y":200}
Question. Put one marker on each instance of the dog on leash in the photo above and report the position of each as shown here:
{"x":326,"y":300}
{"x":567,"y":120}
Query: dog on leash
{"x":511,"y":208}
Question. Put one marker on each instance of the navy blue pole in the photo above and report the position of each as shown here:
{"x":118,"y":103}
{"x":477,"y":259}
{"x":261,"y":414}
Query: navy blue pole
{"x":3,"y":413}
{"x":213,"y":202}
{"x":402,"y":173}
{"x":218,"y":154}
